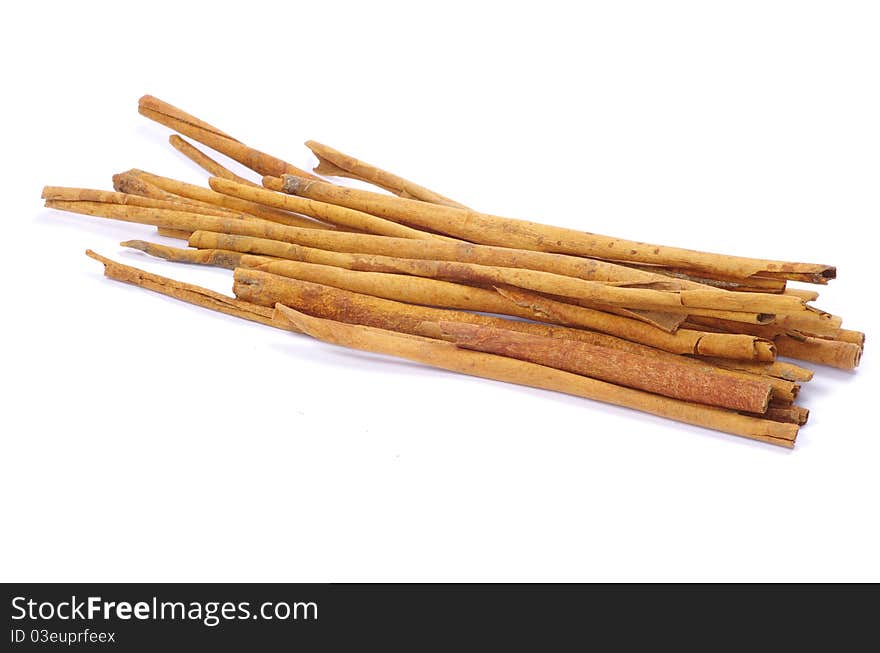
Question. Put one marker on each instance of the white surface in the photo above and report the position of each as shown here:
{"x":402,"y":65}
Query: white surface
{"x":144,"y":439}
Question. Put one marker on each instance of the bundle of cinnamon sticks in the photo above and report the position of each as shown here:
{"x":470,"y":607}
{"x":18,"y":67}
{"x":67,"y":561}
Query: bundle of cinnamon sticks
{"x":405,"y":271}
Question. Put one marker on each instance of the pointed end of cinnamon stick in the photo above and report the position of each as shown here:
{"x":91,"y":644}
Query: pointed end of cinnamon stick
{"x":284,"y":315}
{"x":101,"y":259}
{"x":140,"y":245}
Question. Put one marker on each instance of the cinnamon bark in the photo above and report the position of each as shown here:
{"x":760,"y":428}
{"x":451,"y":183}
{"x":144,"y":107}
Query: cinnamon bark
{"x":834,"y":353}
{"x":212,"y":257}
{"x":686,"y":301}
{"x":447,"y":356}
{"x":185,"y":292}
{"x":683,"y":341}
{"x":205,"y":162}
{"x":658,"y":375}
{"x":337,"y":215}
{"x":209,"y":196}
{"x":791,"y":414}
{"x":334,"y":163}
{"x":111,"y":197}
{"x":181,"y":122}
{"x":333,"y":303}
{"x":510,"y":232}
{"x":125,"y":182}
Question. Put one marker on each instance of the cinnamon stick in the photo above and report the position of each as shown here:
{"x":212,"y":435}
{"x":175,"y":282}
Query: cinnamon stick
{"x":184,"y":291}
{"x":337,"y":215}
{"x":125,"y":182}
{"x":112,"y":197}
{"x":173,"y":233}
{"x":779,"y":369}
{"x":658,"y":375}
{"x":509,"y":232}
{"x":205,"y":162}
{"x":212,"y":257}
{"x":685,"y":301}
{"x":179,"y":121}
{"x":834,"y":353}
{"x":571,"y":266}
{"x":334,"y":163}
{"x":267,"y":289}
{"x":447,"y":356}
{"x":218,"y":199}
{"x":683,"y":341}
{"x":791,"y":414}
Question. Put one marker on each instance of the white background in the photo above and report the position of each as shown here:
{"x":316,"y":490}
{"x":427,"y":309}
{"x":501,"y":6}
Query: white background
{"x":144,"y":439}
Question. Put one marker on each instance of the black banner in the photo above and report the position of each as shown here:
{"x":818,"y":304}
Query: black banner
{"x":132,"y":617}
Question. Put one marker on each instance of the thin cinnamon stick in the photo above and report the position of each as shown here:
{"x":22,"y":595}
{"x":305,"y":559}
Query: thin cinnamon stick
{"x":205,"y":162}
{"x":334,"y":163}
{"x":480,"y":254}
{"x":848,"y":335}
{"x":173,"y":233}
{"x":125,"y":182}
{"x":111,"y":197}
{"x":751,"y":284}
{"x":447,"y":356}
{"x":185,"y":292}
{"x":155,"y":105}
{"x":813,"y":324}
{"x":179,"y":121}
{"x":509,"y":232}
{"x":791,"y":414}
{"x":683,"y":341}
{"x":337,"y":215}
{"x":779,"y":369}
{"x":686,"y":301}
{"x":834,"y":353}
{"x":413,"y":290}
{"x":213,"y":257}
{"x":218,"y":199}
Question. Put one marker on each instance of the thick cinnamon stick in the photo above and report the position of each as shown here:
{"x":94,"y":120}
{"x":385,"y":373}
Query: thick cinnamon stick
{"x":509,"y":232}
{"x":179,"y":121}
{"x":334,"y":163}
{"x":337,"y":215}
{"x":658,"y":375}
{"x":205,"y":162}
{"x":447,"y":356}
{"x":332,"y":303}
